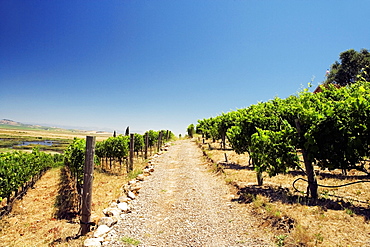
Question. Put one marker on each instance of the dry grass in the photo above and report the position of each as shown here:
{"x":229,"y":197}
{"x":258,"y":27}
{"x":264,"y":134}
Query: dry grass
{"x":341,"y":217}
{"x":65,"y":134}
{"x":33,"y":222}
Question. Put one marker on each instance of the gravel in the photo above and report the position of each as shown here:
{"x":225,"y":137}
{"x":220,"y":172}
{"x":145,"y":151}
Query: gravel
{"x":183,"y":204}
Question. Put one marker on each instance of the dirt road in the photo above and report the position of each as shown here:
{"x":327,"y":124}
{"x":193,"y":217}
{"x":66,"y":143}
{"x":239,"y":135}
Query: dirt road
{"x":184,"y":204}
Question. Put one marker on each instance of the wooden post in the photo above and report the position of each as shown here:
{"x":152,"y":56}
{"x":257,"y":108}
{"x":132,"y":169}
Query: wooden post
{"x":146,"y":145}
{"x":132,"y":145}
{"x":160,"y":140}
{"x":167,"y":135}
{"x":87,"y":185}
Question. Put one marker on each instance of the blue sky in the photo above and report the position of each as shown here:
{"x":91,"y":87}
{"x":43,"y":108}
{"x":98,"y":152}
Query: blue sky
{"x":157,"y":64}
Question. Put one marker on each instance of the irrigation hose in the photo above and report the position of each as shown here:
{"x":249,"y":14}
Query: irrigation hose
{"x":327,"y":186}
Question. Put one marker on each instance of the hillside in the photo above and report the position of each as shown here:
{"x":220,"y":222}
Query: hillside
{"x":10,"y":122}
{"x":7,"y":123}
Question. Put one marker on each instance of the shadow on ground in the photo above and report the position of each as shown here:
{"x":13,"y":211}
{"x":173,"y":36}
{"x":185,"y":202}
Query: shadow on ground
{"x":275,"y":193}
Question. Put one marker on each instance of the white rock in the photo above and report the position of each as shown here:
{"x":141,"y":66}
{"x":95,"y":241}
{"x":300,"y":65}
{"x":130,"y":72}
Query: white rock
{"x":93,"y":242}
{"x":131,"y":195}
{"x":123,"y":199}
{"x":103,"y":229}
{"x":109,"y":221}
{"x":131,"y":182}
{"x":123,"y":206}
{"x":111,"y":211}
{"x":136,"y":188}
{"x":140,"y":177}
{"x":113,"y":204}
{"x":126,"y":187}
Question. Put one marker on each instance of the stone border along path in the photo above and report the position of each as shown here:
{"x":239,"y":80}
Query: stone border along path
{"x":180,"y":204}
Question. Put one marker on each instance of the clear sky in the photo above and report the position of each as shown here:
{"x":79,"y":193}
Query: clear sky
{"x":164,"y":64}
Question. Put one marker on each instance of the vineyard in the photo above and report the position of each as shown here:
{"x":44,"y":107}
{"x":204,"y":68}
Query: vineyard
{"x":110,"y":155}
{"x":19,"y":171}
{"x":328,"y":130}
{"x":114,"y":156}
{"x":308,"y":155}
{"x":302,"y":163}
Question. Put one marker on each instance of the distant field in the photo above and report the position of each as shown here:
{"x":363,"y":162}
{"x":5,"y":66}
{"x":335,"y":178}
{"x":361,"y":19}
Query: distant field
{"x":11,"y":136}
{"x":9,"y":126}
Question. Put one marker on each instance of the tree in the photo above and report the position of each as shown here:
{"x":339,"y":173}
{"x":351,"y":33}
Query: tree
{"x":352,"y":65}
{"x":191,"y":130}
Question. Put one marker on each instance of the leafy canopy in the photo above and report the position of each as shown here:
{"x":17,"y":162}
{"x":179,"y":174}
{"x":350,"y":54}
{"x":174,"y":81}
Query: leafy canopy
{"x":352,"y":66}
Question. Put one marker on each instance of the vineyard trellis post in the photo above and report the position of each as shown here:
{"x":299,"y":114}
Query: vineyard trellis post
{"x":87,"y":185}
{"x":160,"y":140}
{"x":167,"y":135}
{"x":146,"y":145}
{"x":132,"y":146}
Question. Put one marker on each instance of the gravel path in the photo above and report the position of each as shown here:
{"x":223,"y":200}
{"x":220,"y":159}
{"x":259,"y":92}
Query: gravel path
{"x":183,"y":204}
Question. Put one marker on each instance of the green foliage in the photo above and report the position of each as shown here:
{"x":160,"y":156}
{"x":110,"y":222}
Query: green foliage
{"x":333,"y":130}
{"x":113,"y":148}
{"x":139,"y":142}
{"x":117,"y":148}
{"x":152,"y":137}
{"x":129,"y":240}
{"x":74,"y":159}
{"x":280,"y":239}
{"x":275,"y":151}
{"x":190,"y":130}
{"x":18,"y":168}
{"x":170,"y":135}
{"x":352,"y":65}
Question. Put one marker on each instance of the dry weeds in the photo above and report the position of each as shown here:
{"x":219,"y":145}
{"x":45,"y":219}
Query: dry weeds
{"x":341,"y":217}
{"x":33,"y":221}
{"x":65,"y":134}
